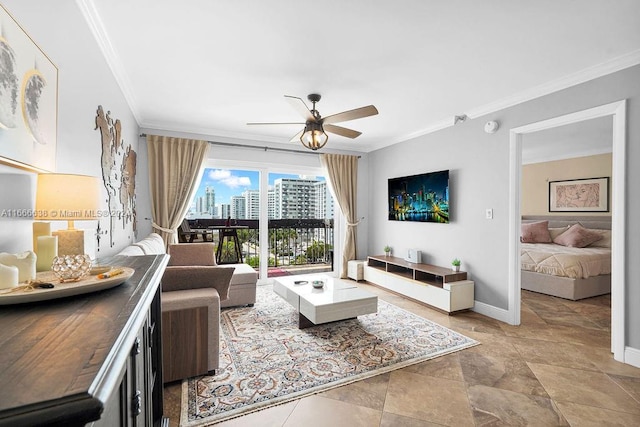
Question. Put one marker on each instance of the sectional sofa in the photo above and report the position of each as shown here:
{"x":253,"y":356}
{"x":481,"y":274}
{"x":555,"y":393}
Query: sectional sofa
{"x":242,"y":289}
{"x":194,"y":289}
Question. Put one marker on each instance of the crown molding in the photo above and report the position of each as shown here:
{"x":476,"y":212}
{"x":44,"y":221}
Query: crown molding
{"x":434,"y":127}
{"x":90,"y":13}
{"x":608,"y":67}
{"x":600,"y":70}
{"x":218,"y":134}
{"x":234,"y":137}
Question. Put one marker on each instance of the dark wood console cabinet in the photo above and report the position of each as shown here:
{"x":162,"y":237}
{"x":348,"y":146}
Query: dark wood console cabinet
{"x":90,"y":359}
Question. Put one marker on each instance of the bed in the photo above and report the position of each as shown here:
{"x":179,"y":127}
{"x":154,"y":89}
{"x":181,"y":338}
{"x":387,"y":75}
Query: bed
{"x":564,"y":271}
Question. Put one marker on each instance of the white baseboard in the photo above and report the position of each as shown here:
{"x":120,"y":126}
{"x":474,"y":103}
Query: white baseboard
{"x":491,"y":311}
{"x":632,"y":356}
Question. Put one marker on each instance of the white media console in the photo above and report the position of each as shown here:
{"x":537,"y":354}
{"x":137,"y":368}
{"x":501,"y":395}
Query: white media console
{"x":439,"y":287}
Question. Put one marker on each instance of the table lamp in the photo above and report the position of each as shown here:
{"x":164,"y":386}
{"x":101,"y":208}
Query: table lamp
{"x":65,"y":197}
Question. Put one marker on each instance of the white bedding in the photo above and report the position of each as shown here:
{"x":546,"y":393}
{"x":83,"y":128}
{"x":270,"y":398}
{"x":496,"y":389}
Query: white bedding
{"x":557,"y":260}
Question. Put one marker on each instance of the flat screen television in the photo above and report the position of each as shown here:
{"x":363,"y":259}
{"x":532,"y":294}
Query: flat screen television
{"x":421,"y":198}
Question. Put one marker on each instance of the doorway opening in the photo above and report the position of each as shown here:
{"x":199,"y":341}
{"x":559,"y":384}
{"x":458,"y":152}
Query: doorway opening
{"x":617,"y":111}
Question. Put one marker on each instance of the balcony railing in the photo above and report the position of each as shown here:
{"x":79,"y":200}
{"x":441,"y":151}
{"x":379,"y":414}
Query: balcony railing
{"x":295,"y":245}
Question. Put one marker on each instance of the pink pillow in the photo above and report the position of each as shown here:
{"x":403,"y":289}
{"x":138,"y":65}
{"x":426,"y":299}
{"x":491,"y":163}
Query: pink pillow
{"x":535,"y":232}
{"x":577,"y":237}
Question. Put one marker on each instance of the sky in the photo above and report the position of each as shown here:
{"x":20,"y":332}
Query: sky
{"x":232,"y":182}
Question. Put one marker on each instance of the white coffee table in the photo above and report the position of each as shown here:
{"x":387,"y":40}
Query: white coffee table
{"x":336,"y":300}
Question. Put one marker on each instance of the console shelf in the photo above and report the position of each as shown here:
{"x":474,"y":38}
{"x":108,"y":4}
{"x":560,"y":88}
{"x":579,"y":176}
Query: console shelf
{"x":439,"y":287}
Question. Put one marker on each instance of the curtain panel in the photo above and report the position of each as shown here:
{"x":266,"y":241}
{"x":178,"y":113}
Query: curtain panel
{"x":342,"y":171}
{"x":175,"y":164}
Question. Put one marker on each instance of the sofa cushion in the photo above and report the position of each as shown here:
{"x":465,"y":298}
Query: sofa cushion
{"x":152,"y":245}
{"x":131,"y":251}
{"x":179,"y":278}
{"x":192,"y":254}
{"x":243,"y":273}
{"x":192,"y":298}
{"x":195,"y":298}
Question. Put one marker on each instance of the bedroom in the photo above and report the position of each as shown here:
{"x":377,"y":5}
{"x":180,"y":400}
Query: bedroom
{"x":578,"y":154}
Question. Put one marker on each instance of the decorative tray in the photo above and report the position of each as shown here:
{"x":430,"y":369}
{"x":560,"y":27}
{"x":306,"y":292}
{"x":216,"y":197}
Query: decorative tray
{"x":88,"y":284}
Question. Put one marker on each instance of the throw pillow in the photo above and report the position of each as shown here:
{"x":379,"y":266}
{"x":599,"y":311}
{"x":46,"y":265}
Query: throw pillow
{"x":605,"y":242}
{"x":555,"y":232}
{"x":535,"y":232}
{"x":577,"y":237}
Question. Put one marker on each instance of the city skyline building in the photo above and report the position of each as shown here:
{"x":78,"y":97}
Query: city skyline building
{"x":288,"y":198}
{"x":252,"y":204}
{"x":210,"y":199}
{"x":225,"y":210}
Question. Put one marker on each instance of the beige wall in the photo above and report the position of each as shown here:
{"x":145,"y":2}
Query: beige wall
{"x":536,"y":177}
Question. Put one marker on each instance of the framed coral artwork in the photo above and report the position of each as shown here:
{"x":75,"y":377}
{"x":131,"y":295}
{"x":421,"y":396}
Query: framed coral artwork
{"x":579,"y":195}
{"x":28,"y":100}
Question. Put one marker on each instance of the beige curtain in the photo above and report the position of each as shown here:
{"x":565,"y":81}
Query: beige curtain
{"x":174,"y":168}
{"x":342,"y":171}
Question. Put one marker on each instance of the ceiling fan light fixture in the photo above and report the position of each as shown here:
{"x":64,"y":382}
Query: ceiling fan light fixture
{"x":314,"y":136}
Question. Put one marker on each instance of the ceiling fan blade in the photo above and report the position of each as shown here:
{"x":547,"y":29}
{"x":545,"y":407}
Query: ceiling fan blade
{"x":296,"y":137}
{"x":358,"y":113}
{"x":338,"y":130}
{"x":299,"y":105}
{"x":274,"y":123}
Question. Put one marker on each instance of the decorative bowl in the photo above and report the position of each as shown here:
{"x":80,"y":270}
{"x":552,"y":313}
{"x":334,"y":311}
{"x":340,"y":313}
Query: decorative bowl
{"x":69,"y":268}
{"x":317,"y":284}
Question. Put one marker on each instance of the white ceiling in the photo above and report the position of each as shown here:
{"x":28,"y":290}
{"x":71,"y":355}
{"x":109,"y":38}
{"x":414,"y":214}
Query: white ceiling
{"x":209,"y":67}
{"x":586,"y":138}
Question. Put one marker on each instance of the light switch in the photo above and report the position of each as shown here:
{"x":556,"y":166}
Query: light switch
{"x":489,"y":213}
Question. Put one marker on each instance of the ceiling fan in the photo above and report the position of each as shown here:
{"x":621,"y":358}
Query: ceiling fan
{"x":314,"y":136}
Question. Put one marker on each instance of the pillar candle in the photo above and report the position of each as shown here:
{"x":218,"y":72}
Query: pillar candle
{"x":8,"y":276}
{"x":40,"y":229}
{"x":25,"y":261}
{"x":47,"y":251}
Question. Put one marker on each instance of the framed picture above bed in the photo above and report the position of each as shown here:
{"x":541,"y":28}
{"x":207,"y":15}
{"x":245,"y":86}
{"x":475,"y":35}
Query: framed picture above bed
{"x":579,"y":195}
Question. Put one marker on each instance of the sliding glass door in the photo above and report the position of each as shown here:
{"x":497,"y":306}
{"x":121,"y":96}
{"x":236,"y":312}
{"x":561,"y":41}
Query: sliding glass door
{"x":226,"y":208}
{"x":294,"y":211}
{"x":300,"y":218}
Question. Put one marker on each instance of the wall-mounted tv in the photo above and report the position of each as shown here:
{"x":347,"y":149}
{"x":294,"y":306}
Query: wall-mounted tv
{"x":422,"y":198}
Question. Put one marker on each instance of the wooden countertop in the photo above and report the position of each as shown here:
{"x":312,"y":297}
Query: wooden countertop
{"x":61,"y":354}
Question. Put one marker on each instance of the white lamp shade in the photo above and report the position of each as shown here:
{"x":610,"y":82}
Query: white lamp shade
{"x":67,"y":197}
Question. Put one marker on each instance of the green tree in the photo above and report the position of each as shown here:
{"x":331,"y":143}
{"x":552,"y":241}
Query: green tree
{"x":318,"y":251}
{"x":248,"y":235}
{"x":228,"y":254}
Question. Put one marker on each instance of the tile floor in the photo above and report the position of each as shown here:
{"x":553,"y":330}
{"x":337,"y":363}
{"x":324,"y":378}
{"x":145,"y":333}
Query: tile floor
{"x":556,"y":369}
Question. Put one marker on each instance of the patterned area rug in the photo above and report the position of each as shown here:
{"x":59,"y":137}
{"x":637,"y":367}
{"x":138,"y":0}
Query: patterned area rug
{"x":266,"y":360}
